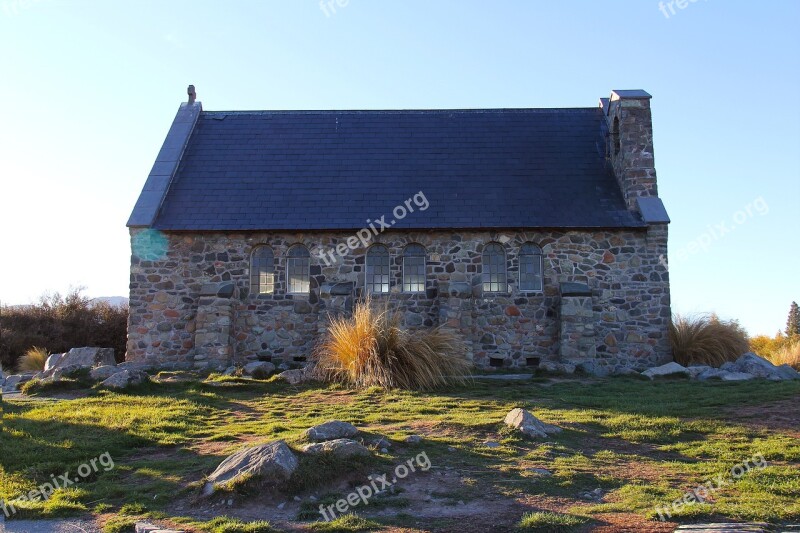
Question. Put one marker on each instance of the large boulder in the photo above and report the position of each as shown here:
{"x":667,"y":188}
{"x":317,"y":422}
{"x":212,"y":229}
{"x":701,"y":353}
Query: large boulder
{"x":296,"y":376}
{"x":102,"y":373}
{"x":268,"y":465}
{"x":126,"y":378}
{"x":672,"y":369}
{"x":330,"y":430}
{"x":259,"y":369}
{"x":759,"y":367}
{"x":340,"y":448}
{"x":52,"y":361}
{"x":528,"y":424}
{"x":14,"y":382}
{"x":83,"y":358}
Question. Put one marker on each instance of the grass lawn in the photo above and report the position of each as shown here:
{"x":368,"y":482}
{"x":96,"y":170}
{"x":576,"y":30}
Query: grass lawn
{"x":642,"y":444}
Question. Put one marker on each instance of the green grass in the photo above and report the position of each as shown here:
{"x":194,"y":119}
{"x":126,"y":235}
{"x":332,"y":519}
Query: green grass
{"x":547,"y":521}
{"x":643,"y":443}
{"x":344,"y":524}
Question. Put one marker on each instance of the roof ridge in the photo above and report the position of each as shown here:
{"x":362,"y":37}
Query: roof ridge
{"x":400,"y":111}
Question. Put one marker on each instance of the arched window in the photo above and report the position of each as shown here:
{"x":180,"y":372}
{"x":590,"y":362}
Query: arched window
{"x":414,"y":268}
{"x":530,"y":267}
{"x":298,"y":265}
{"x":494,"y":268}
{"x":378,"y":269}
{"x":262,"y":270}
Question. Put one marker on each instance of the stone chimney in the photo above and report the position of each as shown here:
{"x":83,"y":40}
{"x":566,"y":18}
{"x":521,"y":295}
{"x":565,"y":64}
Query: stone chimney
{"x":630,"y":146}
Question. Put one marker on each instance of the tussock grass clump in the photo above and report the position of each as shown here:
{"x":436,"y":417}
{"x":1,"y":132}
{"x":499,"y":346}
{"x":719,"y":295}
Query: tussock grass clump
{"x":788,"y":354}
{"x":706,"y":340}
{"x":547,"y":521}
{"x":33,"y":360}
{"x":371,"y":348}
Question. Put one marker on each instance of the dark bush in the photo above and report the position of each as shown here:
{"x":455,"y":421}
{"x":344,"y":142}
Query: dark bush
{"x":57,"y":323}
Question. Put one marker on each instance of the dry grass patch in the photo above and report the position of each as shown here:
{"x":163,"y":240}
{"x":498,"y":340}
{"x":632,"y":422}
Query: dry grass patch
{"x":33,"y":360}
{"x":371,"y":348}
{"x":706,"y":340}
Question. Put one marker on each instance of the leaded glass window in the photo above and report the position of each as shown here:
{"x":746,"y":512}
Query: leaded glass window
{"x":530,"y":267}
{"x":414,"y":268}
{"x":298,"y":265}
{"x":495,"y":277}
{"x":378,"y":267}
{"x":262,"y":270}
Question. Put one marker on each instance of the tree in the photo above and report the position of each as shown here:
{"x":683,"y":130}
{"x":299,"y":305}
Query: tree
{"x":793,"y":323}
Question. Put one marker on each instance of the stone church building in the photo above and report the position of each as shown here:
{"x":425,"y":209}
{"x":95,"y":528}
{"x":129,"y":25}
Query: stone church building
{"x":536,"y":234}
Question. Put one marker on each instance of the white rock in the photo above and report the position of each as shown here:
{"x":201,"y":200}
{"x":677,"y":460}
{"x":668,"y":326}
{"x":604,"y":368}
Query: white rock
{"x":52,"y":361}
{"x":670,"y":369}
{"x":736,"y":376}
{"x":294,"y":377}
{"x":332,"y":429}
{"x":528,"y":424}
{"x":259,"y":369}
{"x":337,"y":447}
{"x":413,"y":439}
{"x":102,"y":373}
{"x":124,"y":379}
{"x":270,"y":464}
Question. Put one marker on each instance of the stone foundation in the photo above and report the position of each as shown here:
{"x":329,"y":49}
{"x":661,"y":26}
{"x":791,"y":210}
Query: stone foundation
{"x":190,"y":301}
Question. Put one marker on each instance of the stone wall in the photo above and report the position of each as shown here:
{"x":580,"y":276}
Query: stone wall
{"x":170,"y":273}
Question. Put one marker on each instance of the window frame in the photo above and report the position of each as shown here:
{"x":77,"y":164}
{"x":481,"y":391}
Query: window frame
{"x":257,"y":270}
{"x":534,"y":251}
{"x":369,"y":283}
{"x":504,"y":289}
{"x":301,"y":253}
{"x":421,"y":252}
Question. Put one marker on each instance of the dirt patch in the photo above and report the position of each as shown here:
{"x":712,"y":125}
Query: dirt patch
{"x":782,"y":416}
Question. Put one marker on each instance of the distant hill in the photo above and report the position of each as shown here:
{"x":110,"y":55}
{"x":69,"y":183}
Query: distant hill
{"x":116,"y":301}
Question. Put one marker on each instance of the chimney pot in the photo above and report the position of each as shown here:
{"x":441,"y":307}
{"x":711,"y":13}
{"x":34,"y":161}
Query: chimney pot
{"x":192,"y":94}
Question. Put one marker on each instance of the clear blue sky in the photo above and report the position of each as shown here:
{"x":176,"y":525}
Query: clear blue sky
{"x":88,"y":90}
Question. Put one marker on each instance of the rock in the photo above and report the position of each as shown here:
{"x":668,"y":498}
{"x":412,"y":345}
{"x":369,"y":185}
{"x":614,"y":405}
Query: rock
{"x":413,"y":439}
{"x":541,"y":471}
{"x":60,"y":372}
{"x":787,"y":372}
{"x":381,"y":442}
{"x":595,"y":495}
{"x":231,"y":370}
{"x":87,"y":358}
{"x":528,"y":424}
{"x":672,"y":369}
{"x":294,"y":377}
{"x":736,"y":376}
{"x":338,"y":448}
{"x":267,"y":464}
{"x":14,"y":382}
{"x":126,"y":378}
{"x":146,"y":527}
{"x":330,"y":430}
{"x":711,"y":373}
{"x":178,"y":376}
{"x":759,"y":367}
{"x":259,"y":369}
{"x":102,"y":373}
{"x":52,"y":361}
{"x":491,"y":444}
{"x":696,"y":370}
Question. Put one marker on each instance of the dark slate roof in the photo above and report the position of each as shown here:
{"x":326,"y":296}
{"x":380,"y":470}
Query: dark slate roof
{"x":303,"y":170}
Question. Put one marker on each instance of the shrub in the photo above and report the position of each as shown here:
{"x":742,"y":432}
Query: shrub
{"x":372,"y":349}
{"x":33,"y":360}
{"x":706,"y":340}
{"x":788,"y":354}
{"x":58,"y":323}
